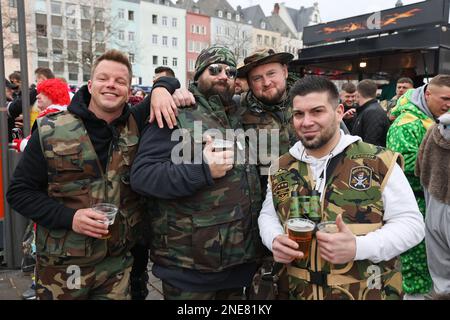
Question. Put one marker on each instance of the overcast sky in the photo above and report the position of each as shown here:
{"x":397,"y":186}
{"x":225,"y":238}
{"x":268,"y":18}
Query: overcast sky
{"x":329,"y":9}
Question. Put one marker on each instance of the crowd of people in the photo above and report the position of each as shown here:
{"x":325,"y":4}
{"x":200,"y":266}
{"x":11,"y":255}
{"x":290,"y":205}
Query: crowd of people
{"x":210,"y":215}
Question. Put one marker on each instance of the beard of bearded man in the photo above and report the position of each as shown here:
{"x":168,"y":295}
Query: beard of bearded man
{"x":219,"y":88}
{"x":320,"y":140}
{"x":276,"y":99}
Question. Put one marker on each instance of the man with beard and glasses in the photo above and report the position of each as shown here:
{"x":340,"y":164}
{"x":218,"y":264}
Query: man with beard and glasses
{"x":361,"y":189}
{"x":203,"y":208}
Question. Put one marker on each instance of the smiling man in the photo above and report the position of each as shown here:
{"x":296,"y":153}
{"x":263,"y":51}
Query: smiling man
{"x":77,"y":158}
{"x":376,"y":220}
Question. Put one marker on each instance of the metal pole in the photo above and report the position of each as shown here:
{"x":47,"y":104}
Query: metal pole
{"x":3,"y":132}
{"x":24,"y":66}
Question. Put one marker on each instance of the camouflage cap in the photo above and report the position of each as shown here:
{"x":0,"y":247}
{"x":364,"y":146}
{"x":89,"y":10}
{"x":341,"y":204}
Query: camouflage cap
{"x":263,"y":56}
{"x":214,"y":54}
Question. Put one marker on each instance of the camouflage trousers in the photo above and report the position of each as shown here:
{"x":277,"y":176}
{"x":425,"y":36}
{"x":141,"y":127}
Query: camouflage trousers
{"x":172,"y":293}
{"x":107,"y":280}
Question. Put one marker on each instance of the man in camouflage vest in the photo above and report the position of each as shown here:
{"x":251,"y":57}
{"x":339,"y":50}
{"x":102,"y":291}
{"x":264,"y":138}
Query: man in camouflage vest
{"x":75,"y":159}
{"x":362,"y":189}
{"x":205,"y":240}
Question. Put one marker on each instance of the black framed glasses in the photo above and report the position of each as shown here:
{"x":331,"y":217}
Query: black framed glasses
{"x":216,"y":69}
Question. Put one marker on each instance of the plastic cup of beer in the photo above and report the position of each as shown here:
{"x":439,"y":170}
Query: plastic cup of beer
{"x":109,"y":210}
{"x":223,"y":145}
{"x":328,"y":227}
{"x":301,"y":231}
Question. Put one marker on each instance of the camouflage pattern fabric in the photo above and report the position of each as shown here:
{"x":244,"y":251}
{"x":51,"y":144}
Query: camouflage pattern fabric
{"x":405,"y":136}
{"x":211,"y":55}
{"x":172,"y":293}
{"x":355,"y":191}
{"x":107,"y":280}
{"x":216,"y":228}
{"x":259,"y":116}
{"x":76,"y":179}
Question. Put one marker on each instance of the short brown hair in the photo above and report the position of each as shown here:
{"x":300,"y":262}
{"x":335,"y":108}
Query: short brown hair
{"x":15,"y":76}
{"x":367,"y":88}
{"x":441,"y":80}
{"x":116,"y":56}
{"x":348,"y":87}
{"x":46,"y":72}
{"x":406,"y":80}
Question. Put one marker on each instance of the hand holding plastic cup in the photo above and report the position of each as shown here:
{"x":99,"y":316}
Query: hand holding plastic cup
{"x":301,"y":231}
{"x":109,"y":210}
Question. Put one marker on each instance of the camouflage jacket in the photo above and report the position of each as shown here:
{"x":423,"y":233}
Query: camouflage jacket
{"x":354,"y":190}
{"x":215,"y":228}
{"x":260,"y":116}
{"x":405,"y":136}
{"x":76,"y":179}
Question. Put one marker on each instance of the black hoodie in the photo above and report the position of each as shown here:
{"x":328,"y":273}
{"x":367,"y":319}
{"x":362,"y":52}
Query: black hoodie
{"x":27,"y":193}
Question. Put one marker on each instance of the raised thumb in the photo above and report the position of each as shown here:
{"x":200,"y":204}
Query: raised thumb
{"x":340,"y":224}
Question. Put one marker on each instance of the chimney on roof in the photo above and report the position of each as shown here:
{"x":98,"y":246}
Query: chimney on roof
{"x":276,"y":9}
{"x":399,"y":3}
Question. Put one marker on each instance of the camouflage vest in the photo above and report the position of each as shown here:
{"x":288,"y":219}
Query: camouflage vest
{"x":261,"y":117}
{"x":76,"y":179}
{"x":354,"y":190}
{"x":215,"y":228}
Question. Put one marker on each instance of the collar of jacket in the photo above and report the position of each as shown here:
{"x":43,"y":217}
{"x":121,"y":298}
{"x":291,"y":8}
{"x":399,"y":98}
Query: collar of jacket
{"x":366,"y":105}
{"x":213,"y":103}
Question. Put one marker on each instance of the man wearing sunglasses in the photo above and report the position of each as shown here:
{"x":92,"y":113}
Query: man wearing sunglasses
{"x":204,"y":235}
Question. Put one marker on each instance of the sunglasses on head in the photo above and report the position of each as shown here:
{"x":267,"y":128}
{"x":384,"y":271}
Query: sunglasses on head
{"x":216,"y":69}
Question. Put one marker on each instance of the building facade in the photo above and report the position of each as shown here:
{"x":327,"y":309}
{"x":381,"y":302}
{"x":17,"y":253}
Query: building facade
{"x":163,"y":34}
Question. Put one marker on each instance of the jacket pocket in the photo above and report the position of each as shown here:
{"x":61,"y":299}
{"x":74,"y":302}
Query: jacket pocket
{"x":218,"y":239}
{"x":63,"y":243}
{"x":67,"y":158}
{"x":74,"y":195}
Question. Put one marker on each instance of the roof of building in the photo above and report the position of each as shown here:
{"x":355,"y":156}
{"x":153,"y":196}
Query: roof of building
{"x":211,"y":7}
{"x":301,"y":17}
{"x":255,"y":16}
{"x":280,"y":26}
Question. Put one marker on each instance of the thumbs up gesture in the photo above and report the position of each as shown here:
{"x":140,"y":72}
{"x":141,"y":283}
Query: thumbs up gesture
{"x":340,"y":247}
{"x":219,"y":162}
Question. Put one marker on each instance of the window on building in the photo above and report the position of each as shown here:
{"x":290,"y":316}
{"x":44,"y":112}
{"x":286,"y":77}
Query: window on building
{"x":191,"y":65}
{"x":42,"y":52}
{"x":86,"y":77}
{"x":164,"y":61}
{"x":154,"y":39}
{"x":131,"y":36}
{"x":73,"y":76}
{"x":192,"y":28}
{"x":227,"y":31}
{"x":259,"y":40}
{"x":229,"y":15}
{"x":121,"y":35}
{"x":40,"y":5}
{"x":14,"y":27}
{"x":220,"y":14}
{"x":164,"y":21}
{"x":71,"y":10}
{"x":43,"y":64}
{"x":203,"y":30}
{"x":12,"y":3}
{"x":121,"y":14}
{"x":238,"y":18}
{"x":164,"y":41}
{"x":174,"y":22}
{"x":99,"y":14}
{"x":174,"y":42}
{"x":57,"y":32}
{"x":274,"y":42}
{"x":71,"y":34}
{"x":130,"y":15}
{"x":41,"y":25}
{"x":56,"y":7}
{"x":198,"y":46}
{"x":72,"y":50}
{"x":266,"y":40}
{"x":155,"y":60}
{"x":263,"y":25}
{"x":191,"y":46}
{"x":154,"y":19}
{"x":15,"y":51}
{"x":85,"y":12}
{"x":175,"y":62}
{"x":131,"y":57}
{"x":58,"y":67}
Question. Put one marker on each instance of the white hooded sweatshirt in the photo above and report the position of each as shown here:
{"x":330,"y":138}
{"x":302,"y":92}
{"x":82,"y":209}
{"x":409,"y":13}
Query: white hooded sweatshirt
{"x":403,"y":223}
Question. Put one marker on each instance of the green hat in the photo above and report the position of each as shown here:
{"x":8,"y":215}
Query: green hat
{"x":214,"y":54}
{"x":263,"y":56}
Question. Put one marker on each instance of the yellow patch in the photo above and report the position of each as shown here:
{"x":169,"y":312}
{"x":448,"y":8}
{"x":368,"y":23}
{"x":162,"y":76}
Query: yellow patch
{"x":281,"y":191}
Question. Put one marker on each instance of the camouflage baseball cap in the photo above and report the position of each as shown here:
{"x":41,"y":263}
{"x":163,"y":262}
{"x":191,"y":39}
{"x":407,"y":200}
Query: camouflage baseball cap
{"x":214,"y":54}
{"x":263,"y":56}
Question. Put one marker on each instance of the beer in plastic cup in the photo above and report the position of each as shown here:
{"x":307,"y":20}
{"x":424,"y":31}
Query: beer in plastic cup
{"x":301,"y":231}
{"x":109,"y":210}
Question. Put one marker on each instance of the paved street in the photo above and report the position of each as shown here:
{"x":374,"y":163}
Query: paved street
{"x":14,"y":282}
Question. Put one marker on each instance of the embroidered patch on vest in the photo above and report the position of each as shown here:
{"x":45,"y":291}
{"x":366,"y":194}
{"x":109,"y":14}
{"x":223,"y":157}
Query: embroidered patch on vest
{"x":363,"y":156}
{"x":281,"y":190}
{"x":360,"y":178}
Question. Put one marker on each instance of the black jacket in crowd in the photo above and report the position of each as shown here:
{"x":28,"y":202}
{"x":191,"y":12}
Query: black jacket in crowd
{"x":371,"y":123}
{"x":27,"y":193}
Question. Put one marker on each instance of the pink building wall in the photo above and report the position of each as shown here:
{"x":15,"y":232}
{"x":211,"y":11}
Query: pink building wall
{"x":197,"y":20}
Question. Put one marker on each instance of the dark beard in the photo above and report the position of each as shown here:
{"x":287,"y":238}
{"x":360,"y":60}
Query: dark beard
{"x":225,"y":95}
{"x":275,"y":100}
